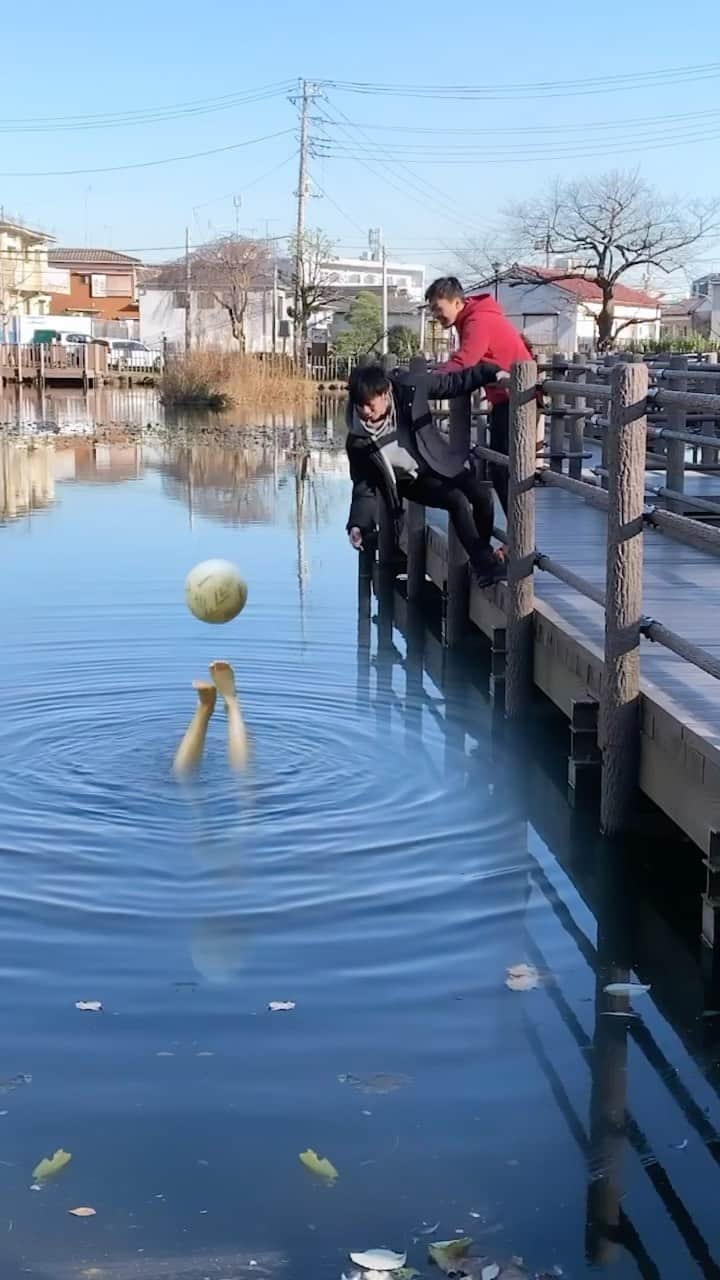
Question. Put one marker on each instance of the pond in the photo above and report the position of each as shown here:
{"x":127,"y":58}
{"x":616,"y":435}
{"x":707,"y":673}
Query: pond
{"x":389,"y":854}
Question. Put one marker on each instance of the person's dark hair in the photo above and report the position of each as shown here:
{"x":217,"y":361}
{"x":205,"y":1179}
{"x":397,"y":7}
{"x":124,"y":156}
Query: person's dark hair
{"x":366,"y":382}
{"x":444,"y":287}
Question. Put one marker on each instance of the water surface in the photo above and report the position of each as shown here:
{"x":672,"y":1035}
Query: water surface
{"x":389,"y":853}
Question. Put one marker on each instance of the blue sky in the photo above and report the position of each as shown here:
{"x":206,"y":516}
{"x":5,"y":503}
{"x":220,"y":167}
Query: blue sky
{"x":157,"y":55}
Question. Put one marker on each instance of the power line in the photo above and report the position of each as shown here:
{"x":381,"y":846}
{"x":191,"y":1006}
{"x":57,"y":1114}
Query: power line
{"x":582,"y":127}
{"x":148,"y":115}
{"x":541,"y":89}
{"x":148,"y":164}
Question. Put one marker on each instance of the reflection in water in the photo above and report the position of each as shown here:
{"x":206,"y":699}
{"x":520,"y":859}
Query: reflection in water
{"x":27,"y":479}
{"x":392,"y":849}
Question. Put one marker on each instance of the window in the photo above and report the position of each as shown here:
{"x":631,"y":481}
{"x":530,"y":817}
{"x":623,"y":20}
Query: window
{"x":205,"y":300}
{"x":540,"y":330}
{"x":98,"y":286}
{"x":118,"y":286}
{"x":354,"y":278}
{"x":370,"y":280}
{"x":179,"y":299}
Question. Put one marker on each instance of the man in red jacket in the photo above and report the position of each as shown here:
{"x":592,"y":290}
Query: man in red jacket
{"x":485,"y":334}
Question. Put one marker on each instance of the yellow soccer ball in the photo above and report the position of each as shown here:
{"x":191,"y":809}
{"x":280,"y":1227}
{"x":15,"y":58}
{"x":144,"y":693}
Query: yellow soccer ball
{"x":215,"y":591}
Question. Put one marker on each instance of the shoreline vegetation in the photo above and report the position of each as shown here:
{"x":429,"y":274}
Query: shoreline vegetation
{"x":222,"y":380}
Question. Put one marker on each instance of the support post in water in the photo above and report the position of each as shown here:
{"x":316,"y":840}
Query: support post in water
{"x":676,"y":448}
{"x":415,"y":525}
{"x":386,"y":532}
{"x":620,"y":696}
{"x":457,"y":590}
{"x":521,"y":538}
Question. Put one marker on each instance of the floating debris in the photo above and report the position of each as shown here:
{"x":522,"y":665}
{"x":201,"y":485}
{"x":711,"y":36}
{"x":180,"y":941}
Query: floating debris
{"x":89,"y":1006}
{"x":83,"y":1212}
{"x":281,"y":1006}
{"x":378,"y":1082}
{"x":626,"y":989}
{"x":522,"y":977}
{"x":15,"y":1082}
{"x":49,"y":1168}
{"x":379,"y":1260}
{"x":320,"y":1166}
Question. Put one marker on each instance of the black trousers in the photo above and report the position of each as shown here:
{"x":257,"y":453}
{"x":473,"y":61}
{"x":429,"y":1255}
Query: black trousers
{"x":500,"y":441}
{"x":468,"y":502}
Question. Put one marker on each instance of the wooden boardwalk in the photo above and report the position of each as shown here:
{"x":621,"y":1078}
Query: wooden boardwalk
{"x":649,"y":714}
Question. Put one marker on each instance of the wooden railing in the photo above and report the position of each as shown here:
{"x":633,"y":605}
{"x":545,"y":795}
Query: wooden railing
{"x":614,"y":401}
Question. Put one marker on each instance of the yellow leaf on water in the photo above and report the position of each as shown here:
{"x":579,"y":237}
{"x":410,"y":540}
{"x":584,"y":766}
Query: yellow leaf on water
{"x":83,"y":1212}
{"x":319,"y":1165}
{"x":48,"y":1168}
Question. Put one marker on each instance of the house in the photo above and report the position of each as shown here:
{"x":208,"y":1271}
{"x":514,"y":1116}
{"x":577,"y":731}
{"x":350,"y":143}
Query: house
{"x":23,"y":275}
{"x":557,"y":313}
{"x":685,"y":319}
{"x":163,"y":319}
{"x":333,"y":320}
{"x":96,"y":282}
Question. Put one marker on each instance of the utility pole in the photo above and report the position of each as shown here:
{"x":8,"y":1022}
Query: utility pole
{"x":384,"y":300}
{"x":274,"y":309}
{"x":299,"y":338}
{"x":188,"y":334}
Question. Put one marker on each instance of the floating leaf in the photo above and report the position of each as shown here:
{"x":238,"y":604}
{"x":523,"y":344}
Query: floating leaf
{"x":626,"y":989}
{"x":491,"y":1272}
{"x":379,"y":1260}
{"x":48,"y":1168}
{"x":522,"y":977}
{"x":89,"y":1006}
{"x":445,"y":1252}
{"x":83,"y":1212}
{"x":281,"y":1006}
{"x":319,"y":1165}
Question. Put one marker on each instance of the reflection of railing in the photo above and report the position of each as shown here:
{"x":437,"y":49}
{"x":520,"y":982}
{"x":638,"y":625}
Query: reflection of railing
{"x":614,"y":1128}
{"x":331,"y":368}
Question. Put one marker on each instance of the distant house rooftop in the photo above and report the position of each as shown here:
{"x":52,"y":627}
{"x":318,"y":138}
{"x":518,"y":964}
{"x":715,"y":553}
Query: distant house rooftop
{"x":582,"y":289}
{"x":63,"y":257}
{"x":19,"y":228}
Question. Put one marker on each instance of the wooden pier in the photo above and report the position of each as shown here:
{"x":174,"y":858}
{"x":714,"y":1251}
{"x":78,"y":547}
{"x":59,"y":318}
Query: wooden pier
{"x":51,"y":364}
{"x":612,"y":603}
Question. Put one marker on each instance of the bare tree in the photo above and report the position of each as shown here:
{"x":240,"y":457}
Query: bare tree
{"x":228,"y":268}
{"x":607,"y":227}
{"x":317,"y":288}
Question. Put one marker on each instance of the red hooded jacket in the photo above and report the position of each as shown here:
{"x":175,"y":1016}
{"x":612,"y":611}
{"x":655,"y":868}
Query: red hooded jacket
{"x":486,"y":334}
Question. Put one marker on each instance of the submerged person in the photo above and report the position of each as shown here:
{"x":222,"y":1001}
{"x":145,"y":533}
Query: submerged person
{"x":485,"y":333}
{"x":397,"y":452}
{"x":189,"y":753}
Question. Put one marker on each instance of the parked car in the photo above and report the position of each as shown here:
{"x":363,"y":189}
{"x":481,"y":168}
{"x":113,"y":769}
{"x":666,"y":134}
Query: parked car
{"x":130,"y":353}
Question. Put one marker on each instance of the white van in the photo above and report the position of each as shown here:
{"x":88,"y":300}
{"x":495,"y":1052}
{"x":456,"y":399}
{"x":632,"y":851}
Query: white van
{"x":130,"y":353}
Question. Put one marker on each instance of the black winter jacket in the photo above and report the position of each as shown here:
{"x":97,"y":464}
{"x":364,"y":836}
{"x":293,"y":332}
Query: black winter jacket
{"x":416,"y":429}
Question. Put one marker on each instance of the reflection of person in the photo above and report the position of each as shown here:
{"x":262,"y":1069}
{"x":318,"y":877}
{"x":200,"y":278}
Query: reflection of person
{"x":485,"y":333}
{"x":189,"y":753}
{"x":396,"y":451}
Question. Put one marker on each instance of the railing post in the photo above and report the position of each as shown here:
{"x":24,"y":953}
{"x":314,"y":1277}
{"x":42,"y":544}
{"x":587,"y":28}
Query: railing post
{"x":576,"y":434}
{"x":521,"y":538}
{"x":620,"y":695}
{"x":708,"y":455}
{"x":608,"y":362}
{"x":557,"y":423}
{"x":457,"y":590}
{"x":675,"y":468}
{"x":415,"y":526}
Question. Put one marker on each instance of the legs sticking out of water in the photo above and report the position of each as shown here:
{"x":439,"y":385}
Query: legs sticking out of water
{"x":189,"y":753}
{"x":238,"y":747}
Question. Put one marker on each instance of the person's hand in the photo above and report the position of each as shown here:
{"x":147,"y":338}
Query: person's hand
{"x":356,"y":539}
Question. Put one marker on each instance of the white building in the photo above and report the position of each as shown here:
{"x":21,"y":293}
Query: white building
{"x":366,"y":272}
{"x":560,"y":315}
{"x":698,"y":315}
{"x":23,"y":275}
{"x":162,"y":320}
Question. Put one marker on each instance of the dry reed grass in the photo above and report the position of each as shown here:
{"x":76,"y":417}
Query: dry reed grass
{"x":221,"y":380}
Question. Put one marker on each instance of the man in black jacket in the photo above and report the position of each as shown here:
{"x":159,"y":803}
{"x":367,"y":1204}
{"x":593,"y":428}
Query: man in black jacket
{"x":396,"y":451}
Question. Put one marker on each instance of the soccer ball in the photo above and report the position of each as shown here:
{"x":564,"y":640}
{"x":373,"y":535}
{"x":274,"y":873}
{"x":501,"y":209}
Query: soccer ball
{"x":215,"y":591}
